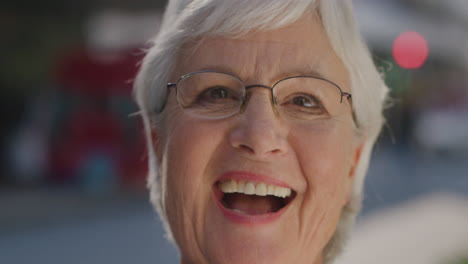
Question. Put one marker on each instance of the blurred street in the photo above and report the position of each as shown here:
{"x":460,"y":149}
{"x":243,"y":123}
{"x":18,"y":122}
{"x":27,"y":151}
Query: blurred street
{"x":52,"y":227}
{"x":123,"y":228}
{"x":430,"y":229}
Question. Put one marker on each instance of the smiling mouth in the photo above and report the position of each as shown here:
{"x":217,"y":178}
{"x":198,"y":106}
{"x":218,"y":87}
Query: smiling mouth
{"x":251,"y":198}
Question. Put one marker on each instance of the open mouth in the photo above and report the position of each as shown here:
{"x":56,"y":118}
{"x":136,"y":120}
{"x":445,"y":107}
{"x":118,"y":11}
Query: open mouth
{"x":251,"y":198}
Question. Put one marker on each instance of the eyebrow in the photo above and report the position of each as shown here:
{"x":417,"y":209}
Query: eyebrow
{"x":220,"y":68}
{"x":303,"y":72}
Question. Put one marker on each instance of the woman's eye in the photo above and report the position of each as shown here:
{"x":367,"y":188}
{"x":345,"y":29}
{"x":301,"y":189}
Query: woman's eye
{"x":303,"y":104}
{"x":218,"y":93}
{"x":304,"y":101}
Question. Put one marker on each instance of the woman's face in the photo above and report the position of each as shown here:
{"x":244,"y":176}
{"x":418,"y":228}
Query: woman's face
{"x":257,"y":148}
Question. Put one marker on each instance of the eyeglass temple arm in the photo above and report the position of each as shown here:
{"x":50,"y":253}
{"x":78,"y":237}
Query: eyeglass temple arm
{"x":345,"y":94}
{"x":349,"y":97}
{"x":168,"y":86}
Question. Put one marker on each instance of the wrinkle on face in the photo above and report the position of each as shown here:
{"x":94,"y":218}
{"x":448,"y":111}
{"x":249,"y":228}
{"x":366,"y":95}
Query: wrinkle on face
{"x":263,"y":58}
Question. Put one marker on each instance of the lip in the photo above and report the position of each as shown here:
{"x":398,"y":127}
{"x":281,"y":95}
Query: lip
{"x":244,"y":219}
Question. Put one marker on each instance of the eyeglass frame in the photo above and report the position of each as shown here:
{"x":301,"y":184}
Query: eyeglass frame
{"x":247,"y":87}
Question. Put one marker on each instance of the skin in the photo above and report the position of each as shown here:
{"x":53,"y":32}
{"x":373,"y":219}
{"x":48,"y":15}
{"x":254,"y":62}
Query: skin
{"x":317,"y":162}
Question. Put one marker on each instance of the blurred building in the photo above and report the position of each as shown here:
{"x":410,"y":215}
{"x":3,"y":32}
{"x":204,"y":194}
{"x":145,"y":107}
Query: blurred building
{"x":431,"y":103}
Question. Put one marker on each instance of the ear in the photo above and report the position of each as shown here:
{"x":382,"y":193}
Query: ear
{"x":156,"y":143}
{"x":154,"y":136}
{"x":355,"y":158}
{"x":354,"y":161}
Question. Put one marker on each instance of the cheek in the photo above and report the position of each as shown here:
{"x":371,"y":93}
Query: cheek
{"x":186,"y":156}
{"x":325,"y":162}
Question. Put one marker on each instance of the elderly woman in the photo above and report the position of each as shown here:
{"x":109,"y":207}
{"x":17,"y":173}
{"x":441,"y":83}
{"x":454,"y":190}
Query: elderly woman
{"x":260,"y":118}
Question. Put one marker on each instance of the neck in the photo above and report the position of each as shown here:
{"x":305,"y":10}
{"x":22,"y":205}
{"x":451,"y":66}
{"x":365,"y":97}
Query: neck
{"x":186,"y":261}
{"x":319,"y":260}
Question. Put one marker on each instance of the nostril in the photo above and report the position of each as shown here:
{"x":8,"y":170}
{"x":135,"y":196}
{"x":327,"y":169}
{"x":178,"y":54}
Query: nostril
{"x":252,"y":150}
{"x":246,"y":148}
{"x":275,"y":151}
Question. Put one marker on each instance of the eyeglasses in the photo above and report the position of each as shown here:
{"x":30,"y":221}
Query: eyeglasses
{"x":217,"y":95}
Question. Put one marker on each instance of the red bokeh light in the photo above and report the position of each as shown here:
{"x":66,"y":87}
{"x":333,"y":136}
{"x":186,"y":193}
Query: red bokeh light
{"x":410,"y":50}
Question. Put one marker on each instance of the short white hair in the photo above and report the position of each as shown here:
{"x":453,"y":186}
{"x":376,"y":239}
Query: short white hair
{"x":186,"y":20}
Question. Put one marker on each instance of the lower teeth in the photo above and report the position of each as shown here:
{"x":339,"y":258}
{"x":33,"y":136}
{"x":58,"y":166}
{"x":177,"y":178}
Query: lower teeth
{"x":252,"y":205}
{"x":238,"y":211}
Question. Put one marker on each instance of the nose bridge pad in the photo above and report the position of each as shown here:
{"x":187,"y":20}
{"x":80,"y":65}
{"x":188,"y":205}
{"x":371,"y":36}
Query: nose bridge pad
{"x":273,"y":101}
{"x":244,"y":102}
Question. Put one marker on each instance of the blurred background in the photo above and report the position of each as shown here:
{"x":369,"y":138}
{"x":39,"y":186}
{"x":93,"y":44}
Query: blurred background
{"x":73,"y":161}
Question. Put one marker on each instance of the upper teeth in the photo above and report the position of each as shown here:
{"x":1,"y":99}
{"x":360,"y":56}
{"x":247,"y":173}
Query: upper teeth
{"x":250,"y":188}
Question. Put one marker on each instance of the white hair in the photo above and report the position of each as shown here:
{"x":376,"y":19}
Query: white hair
{"x":186,"y":20}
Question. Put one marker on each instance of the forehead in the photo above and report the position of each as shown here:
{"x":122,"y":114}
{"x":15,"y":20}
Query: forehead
{"x":301,"y":48}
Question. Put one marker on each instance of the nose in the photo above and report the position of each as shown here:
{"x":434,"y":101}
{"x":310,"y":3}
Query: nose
{"x":259,"y":132}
